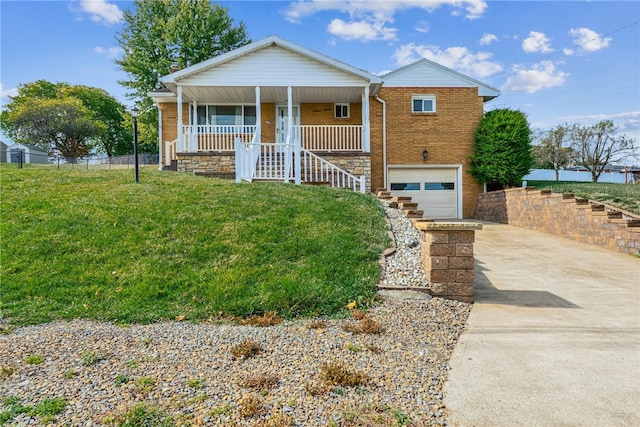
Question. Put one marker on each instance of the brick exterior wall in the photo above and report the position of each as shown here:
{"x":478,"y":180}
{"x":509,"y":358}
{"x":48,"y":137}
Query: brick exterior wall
{"x":447,"y":134}
{"x":170,"y":120}
{"x":562,"y":215}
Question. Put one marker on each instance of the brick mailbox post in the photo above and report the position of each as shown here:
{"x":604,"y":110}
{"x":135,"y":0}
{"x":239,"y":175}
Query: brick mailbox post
{"x":447,"y":258}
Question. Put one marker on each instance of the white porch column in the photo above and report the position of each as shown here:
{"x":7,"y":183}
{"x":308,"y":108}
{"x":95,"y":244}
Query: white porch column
{"x":181,"y":146}
{"x":258,"y":116}
{"x":296,"y":141}
{"x":160,"y":142}
{"x":366,"y":146}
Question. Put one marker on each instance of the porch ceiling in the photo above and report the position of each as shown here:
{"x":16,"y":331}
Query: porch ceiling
{"x":275,"y":94}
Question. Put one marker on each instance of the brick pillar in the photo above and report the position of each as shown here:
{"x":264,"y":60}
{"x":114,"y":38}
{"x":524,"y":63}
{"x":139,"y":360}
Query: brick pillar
{"x":447,"y":258}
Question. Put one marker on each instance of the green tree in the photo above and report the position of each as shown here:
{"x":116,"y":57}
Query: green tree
{"x":502,"y":149}
{"x":62,"y":126}
{"x":554,"y":149}
{"x":110,"y":127}
{"x":599,"y":145}
{"x":116,"y":136}
{"x":158,"y":34}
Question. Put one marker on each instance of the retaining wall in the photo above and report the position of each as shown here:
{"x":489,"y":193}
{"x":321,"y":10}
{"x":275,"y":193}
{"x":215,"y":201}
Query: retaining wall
{"x":561,"y":215}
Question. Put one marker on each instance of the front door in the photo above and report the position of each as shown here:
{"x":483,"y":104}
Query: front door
{"x":282,"y":122}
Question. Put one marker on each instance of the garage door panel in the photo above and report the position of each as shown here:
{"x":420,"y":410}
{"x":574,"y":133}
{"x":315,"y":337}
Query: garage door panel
{"x":435,"y":190}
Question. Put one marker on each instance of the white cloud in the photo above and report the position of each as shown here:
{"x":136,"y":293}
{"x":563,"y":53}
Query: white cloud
{"x":422,"y":27}
{"x":101,"y":11}
{"x":6,"y":94}
{"x":369,"y":19}
{"x":111,"y":52}
{"x":588,"y":40}
{"x":488,"y":38}
{"x":541,"y":76}
{"x":460,"y":59}
{"x":628,"y":122}
{"x":536,"y":42}
{"x":362,"y":30}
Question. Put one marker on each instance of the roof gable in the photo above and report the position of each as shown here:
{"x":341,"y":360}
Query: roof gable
{"x":30,"y":147}
{"x":240,"y":66}
{"x":426,"y":73}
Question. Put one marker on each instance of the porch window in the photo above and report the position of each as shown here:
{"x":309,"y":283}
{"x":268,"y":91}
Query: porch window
{"x":341,"y":111}
{"x":249,"y":115}
{"x":423,"y":103}
{"x":226,"y":115}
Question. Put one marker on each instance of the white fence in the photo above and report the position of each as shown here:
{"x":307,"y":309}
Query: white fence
{"x":578,"y":176}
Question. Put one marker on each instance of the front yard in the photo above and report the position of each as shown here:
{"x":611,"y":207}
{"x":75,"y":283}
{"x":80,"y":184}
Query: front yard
{"x":93,"y":244}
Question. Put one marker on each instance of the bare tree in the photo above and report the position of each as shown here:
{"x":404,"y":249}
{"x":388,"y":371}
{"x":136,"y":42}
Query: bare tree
{"x":600,"y":144}
{"x":554,"y":148}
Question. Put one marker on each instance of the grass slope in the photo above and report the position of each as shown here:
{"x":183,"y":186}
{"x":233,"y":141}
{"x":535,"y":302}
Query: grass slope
{"x":622,"y":196}
{"x":93,"y":244}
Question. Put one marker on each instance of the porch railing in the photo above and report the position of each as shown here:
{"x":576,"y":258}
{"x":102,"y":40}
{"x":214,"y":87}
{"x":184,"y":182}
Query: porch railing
{"x":329,"y":137}
{"x":279,"y":162}
{"x":170,"y":151}
{"x":315,"y":169}
{"x":215,"y":137}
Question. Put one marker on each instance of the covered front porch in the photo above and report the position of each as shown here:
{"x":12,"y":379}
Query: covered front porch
{"x":268,"y":104}
{"x":322,"y":120}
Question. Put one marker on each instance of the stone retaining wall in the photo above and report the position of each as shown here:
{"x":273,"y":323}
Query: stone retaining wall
{"x":447,"y":258}
{"x":561,"y":215}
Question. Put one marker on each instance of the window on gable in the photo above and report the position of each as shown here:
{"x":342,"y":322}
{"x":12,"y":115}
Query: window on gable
{"x":341,"y":111}
{"x":423,"y":103}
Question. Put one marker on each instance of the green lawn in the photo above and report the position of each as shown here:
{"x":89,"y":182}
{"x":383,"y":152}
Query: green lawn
{"x":622,"y":196}
{"x":93,"y":244}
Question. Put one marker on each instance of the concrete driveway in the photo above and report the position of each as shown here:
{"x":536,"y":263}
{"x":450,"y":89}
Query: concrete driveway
{"x":554,"y":336}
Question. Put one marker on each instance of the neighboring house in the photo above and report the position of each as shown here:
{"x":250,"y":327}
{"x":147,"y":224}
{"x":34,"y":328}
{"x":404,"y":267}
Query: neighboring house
{"x":3,"y":152}
{"x":27,"y":152}
{"x":275,"y":110}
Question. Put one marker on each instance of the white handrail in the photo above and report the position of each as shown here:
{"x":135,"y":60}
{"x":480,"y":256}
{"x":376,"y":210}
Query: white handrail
{"x":216,"y":137}
{"x":170,"y":152}
{"x":317,"y":169}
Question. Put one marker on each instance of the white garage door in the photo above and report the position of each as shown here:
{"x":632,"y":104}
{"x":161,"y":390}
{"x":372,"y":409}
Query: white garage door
{"x":435,"y":190}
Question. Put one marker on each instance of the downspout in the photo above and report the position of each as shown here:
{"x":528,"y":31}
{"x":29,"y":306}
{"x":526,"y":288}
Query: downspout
{"x":384,"y":139}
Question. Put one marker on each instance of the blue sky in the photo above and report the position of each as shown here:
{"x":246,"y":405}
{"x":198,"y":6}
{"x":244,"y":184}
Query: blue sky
{"x":558,"y":61}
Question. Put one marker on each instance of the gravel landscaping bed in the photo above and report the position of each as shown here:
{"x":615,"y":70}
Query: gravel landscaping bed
{"x":189,"y":371}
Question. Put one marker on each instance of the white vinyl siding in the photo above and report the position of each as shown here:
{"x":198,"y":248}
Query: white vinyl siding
{"x":276,"y":67}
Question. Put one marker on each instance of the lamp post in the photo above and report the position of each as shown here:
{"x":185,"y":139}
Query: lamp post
{"x":134,"y":113}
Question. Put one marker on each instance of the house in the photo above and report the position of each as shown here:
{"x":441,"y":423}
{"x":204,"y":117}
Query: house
{"x":275,"y":110}
{"x":26,"y":153}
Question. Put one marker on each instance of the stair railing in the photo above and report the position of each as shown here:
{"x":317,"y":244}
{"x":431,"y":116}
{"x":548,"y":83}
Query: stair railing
{"x":315,"y":169}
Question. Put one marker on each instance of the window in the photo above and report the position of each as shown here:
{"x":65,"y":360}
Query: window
{"x":341,"y":111}
{"x":430,"y":186}
{"x":226,"y":115}
{"x":405,"y":186}
{"x":423,"y":103}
